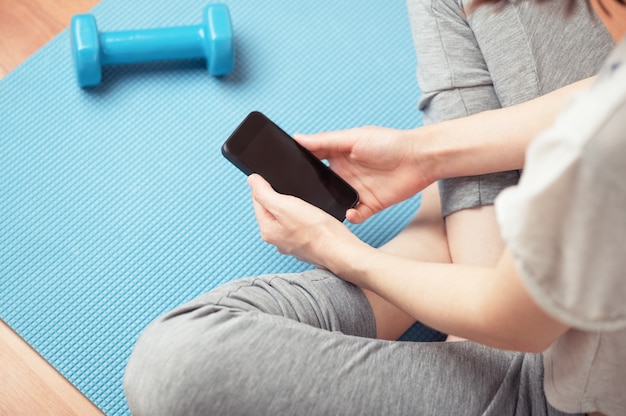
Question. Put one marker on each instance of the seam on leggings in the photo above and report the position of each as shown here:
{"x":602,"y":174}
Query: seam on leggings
{"x":327,"y":275}
{"x":445,"y":53}
{"x":230,"y":292}
{"x":514,"y":365}
{"x":451,"y":76}
{"x":528,"y":48}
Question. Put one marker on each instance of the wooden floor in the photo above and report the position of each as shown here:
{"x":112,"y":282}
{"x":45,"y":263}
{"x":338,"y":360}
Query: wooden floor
{"x":28,"y":384}
{"x":26,"y":25}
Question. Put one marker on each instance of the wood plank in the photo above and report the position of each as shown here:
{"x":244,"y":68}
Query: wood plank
{"x":26,"y":25}
{"x":29,"y":385}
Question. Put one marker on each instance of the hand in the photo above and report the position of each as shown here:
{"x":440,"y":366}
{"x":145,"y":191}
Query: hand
{"x":296,"y":227}
{"x":378,"y":162}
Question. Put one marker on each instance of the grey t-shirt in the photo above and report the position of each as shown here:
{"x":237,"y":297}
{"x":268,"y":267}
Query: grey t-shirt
{"x":565,"y":224}
{"x":474,"y":62}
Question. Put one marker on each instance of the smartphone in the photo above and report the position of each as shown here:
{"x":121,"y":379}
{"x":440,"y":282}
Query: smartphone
{"x":259,"y":146}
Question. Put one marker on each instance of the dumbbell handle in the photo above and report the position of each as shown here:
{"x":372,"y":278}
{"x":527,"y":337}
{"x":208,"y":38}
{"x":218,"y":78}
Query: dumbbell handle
{"x":130,"y":46}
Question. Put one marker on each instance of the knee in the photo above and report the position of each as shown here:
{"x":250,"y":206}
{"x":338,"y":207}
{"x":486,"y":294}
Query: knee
{"x":173,"y":359}
{"x":148,"y":373}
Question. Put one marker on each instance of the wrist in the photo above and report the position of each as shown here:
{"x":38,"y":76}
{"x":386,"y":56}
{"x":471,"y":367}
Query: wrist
{"x":465,"y":147}
{"x":433,"y":151}
{"x":349,"y":259}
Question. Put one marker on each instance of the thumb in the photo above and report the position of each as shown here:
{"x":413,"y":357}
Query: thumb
{"x":262,"y":191}
{"x":359,"y":214}
{"x":328,"y":144}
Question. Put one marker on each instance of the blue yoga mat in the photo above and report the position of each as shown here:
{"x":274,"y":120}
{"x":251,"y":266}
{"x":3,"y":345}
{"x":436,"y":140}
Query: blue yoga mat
{"x":116,"y":203}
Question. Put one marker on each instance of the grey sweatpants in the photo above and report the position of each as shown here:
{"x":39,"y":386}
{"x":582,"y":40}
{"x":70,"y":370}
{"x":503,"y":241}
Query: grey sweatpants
{"x":303,"y":344}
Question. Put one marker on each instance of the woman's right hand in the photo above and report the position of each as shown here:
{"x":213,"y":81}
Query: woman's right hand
{"x":380,"y":163}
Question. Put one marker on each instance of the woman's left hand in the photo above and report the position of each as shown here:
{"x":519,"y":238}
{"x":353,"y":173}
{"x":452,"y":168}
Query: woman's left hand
{"x":298,"y":228}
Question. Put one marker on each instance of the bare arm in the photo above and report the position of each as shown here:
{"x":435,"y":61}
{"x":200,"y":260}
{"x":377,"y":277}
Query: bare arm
{"x":491,"y":141}
{"x":488,"y":305}
{"x":387,"y":165}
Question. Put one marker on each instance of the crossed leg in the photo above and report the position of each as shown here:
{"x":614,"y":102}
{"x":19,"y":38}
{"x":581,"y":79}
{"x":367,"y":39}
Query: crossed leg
{"x":469,"y":236}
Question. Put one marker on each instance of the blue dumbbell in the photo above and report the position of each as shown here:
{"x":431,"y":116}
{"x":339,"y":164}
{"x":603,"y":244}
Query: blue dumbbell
{"x":211,"y":40}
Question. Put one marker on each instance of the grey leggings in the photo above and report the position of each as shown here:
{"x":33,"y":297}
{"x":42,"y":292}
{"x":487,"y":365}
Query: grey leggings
{"x":303,"y":344}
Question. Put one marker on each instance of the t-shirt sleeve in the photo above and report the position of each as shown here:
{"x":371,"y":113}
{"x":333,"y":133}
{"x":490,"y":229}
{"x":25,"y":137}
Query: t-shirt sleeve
{"x":565,"y":222}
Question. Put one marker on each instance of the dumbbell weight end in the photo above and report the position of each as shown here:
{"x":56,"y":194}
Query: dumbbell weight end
{"x":218,"y":39}
{"x":86,"y":50}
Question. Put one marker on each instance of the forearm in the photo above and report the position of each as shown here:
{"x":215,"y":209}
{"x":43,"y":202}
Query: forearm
{"x":485,"y":305}
{"x":491,"y":141}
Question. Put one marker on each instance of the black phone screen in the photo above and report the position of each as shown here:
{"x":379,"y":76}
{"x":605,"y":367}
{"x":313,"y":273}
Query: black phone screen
{"x":260,"y":146}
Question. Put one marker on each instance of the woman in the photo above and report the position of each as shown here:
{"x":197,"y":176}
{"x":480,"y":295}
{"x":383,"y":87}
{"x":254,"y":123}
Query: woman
{"x":468,"y":64}
{"x":304,"y":344}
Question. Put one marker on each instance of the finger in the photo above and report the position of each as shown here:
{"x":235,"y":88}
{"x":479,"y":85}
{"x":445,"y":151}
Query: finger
{"x":359,"y":214}
{"x":275,"y":203}
{"x":325,"y":145}
{"x":269,"y":228}
{"x":263,"y":216}
{"x":268,"y":224}
{"x":255,"y":180}
{"x":353,"y":216}
{"x":281,"y":207}
{"x":262,"y":191}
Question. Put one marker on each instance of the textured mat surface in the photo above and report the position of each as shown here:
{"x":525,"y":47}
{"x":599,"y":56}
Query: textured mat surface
{"x":116,"y":203}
